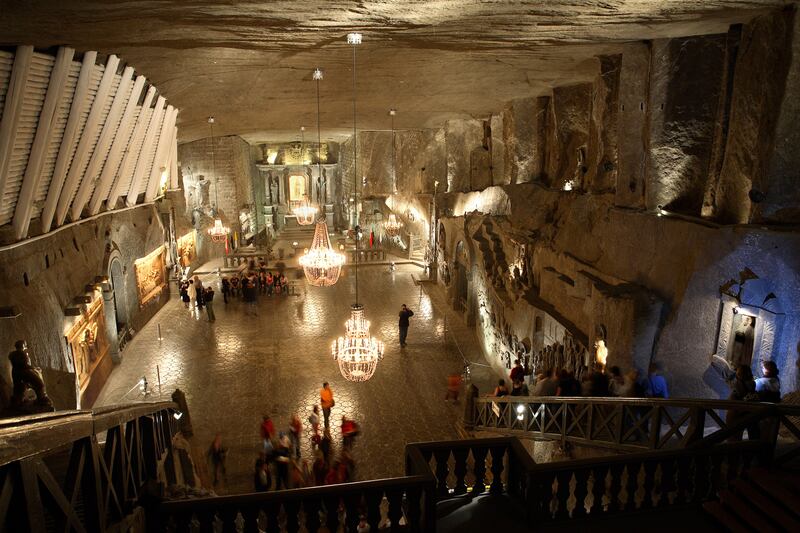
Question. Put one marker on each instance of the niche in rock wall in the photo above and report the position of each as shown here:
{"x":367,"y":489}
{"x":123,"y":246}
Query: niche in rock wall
{"x":750,"y":325}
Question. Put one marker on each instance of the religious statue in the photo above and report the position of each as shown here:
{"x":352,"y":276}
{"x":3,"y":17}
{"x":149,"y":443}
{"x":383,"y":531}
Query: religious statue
{"x":601,"y":352}
{"x":743,"y":337}
{"x":26,"y":376}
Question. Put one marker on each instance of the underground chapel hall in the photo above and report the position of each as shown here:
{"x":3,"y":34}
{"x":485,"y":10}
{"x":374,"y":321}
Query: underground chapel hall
{"x":443,"y":265}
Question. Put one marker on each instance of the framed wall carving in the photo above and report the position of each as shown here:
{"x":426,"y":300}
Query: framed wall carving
{"x":187,"y":249}
{"x":150,"y":278}
{"x":88,"y":342}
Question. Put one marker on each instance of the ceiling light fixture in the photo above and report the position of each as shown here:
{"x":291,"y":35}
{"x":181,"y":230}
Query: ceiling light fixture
{"x":357,"y":353}
{"x":393,"y":225}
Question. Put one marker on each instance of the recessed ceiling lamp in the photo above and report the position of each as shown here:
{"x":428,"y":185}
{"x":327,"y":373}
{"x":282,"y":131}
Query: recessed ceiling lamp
{"x":357,"y":352}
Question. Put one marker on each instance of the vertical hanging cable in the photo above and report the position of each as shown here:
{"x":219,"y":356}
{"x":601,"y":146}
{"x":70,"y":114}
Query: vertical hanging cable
{"x":323,"y":194}
{"x":214,"y":165}
{"x":355,"y":39}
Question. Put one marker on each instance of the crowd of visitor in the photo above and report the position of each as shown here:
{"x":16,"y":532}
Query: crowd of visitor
{"x":604,"y":383}
{"x":280,"y":464}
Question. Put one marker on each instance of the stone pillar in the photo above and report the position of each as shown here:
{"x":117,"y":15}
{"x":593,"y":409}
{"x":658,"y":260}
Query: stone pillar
{"x":603,"y":159}
{"x":685,"y":85}
{"x":632,"y":126}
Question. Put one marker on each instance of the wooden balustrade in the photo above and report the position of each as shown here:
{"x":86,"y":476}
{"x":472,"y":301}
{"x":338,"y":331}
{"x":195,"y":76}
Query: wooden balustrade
{"x":629,"y":424}
{"x":80,"y":470}
{"x":636,"y":482}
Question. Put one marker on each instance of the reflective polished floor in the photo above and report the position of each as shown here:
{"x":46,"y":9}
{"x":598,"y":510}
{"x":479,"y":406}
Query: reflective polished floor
{"x":242,"y":366}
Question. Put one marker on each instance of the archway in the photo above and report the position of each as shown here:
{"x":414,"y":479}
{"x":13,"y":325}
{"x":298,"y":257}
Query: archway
{"x":116,"y":278}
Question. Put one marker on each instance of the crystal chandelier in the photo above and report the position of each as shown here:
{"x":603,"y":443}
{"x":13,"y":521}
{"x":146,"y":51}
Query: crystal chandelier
{"x":305,"y":212}
{"x":321,"y":264}
{"x":218,"y":232}
{"x":393,"y":225}
{"x":357,"y":353}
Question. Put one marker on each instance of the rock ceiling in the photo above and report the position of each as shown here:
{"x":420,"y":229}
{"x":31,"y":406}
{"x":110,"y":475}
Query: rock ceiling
{"x":250,"y":63}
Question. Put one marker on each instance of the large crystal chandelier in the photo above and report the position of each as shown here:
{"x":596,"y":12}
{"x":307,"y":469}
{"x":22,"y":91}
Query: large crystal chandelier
{"x":321,"y":264}
{"x":357,"y":353}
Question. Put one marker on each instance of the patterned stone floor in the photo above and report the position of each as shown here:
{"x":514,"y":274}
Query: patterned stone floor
{"x":242,"y":366}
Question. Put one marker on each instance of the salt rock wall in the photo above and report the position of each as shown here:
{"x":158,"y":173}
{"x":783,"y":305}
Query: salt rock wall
{"x":41,"y":277}
{"x":650,"y":284}
{"x":234,"y":167}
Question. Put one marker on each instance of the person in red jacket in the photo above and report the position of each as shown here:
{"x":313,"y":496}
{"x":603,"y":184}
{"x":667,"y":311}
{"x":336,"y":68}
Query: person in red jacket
{"x":517,"y":373}
{"x":349,"y":432}
{"x":267,"y":431}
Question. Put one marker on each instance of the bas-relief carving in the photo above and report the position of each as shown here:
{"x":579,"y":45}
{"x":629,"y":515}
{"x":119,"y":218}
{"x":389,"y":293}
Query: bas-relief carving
{"x":88,"y":342}
{"x":187,"y":249}
{"x":726,"y":321}
{"x":150,"y":275}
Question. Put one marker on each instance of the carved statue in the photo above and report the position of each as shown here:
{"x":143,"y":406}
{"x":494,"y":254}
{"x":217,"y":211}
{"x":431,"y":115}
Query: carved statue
{"x":26,"y":376}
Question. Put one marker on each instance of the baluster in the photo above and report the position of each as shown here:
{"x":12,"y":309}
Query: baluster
{"x":715,"y":477}
{"x":615,"y":501}
{"x":292,"y":508}
{"x":414,"y":509}
{"x":460,"y":469}
{"x":562,"y":494}
{"x":250,"y":515}
{"x":311,"y":507}
{"x":332,"y":512}
{"x":649,"y":483}
{"x":668,"y":468}
{"x":599,"y":473}
{"x":682,"y":481}
{"x":205,"y":519}
{"x":581,"y":490}
{"x":442,"y":469}
{"x":498,"y":452}
{"x":632,"y":485}
{"x":228,"y":517}
{"x":373,"y":500}
{"x":273,"y":512}
{"x":702,"y":476}
{"x":395,"y":498}
{"x":479,"y":469}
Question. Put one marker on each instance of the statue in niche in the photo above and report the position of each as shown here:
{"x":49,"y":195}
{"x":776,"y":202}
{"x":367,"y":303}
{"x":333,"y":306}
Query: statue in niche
{"x":25,"y":376}
{"x":743,"y":337}
{"x":244,"y":221}
{"x":202,"y":193}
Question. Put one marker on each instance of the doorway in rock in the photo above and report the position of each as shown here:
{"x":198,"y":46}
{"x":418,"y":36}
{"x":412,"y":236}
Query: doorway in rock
{"x":741,"y":343}
{"x":117,"y":278}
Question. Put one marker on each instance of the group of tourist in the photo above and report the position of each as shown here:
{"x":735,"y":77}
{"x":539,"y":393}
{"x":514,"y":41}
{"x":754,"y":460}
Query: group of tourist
{"x":279,"y":464}
{"x":595,"y":383}
{"x":248,"y":284}
{"x":196,"y":297}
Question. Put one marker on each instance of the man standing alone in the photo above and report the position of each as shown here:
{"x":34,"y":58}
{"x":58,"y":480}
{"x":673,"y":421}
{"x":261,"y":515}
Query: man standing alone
{"x":405,"y":314}
{"x":326,"y":401}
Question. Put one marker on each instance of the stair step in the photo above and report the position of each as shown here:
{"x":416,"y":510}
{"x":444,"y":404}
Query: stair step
{"x":747,"y":511}
{"x":724,"y":516}
{"x":789,"y":478}
{"x":771,"y":485}
{"x":767,"y":506}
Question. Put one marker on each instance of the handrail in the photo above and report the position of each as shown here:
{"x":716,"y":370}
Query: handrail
{"x":109,"y":477}
{"x":633,"y":424}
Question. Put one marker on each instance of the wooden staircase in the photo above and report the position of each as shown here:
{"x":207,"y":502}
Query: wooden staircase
{"x":763,"y":500}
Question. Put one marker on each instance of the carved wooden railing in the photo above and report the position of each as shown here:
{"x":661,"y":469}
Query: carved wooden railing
{"x":636,"y":482}
{"x":80,"y":470}
{"x":630,"y":424}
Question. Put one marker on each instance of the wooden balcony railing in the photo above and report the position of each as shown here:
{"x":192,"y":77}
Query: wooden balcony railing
{"x":632,"y":424}
{"x":80,"y":470}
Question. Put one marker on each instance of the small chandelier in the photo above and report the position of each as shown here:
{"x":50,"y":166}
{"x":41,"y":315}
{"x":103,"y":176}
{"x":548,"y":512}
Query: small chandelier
{"x":357,"y":352}
{"x":305,"y":212}
{"x":218,"y":232}
{"x":392,"y":226}
{"x":321,"y":264}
